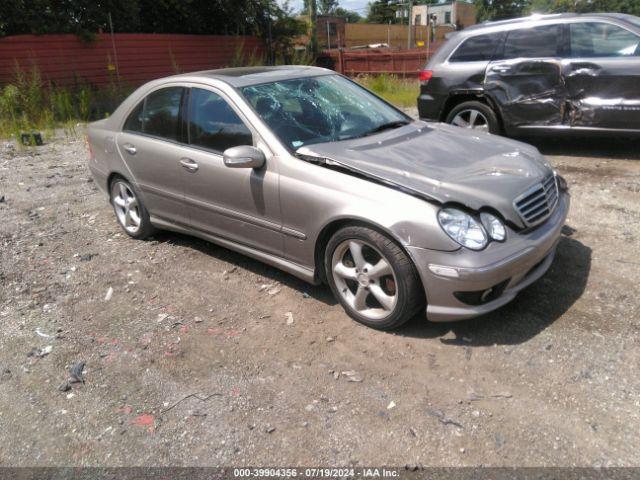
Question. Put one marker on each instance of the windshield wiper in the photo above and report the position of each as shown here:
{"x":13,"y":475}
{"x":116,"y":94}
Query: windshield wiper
{"x":387,"y":126}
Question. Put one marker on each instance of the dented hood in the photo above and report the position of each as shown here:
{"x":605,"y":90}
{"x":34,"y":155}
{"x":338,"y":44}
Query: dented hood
{"x":442,"y":163}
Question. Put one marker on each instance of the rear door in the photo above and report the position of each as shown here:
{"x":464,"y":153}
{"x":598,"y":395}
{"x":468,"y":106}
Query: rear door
{"x":525,"y":78}
{"x":602,"y":73}
{"x":149,"y":144}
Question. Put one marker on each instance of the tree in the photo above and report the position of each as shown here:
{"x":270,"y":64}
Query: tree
{"x":86,"y":17}
{"x":349,"y":15}
{"x":382,"y":11}
{"x":325,"y":7}
{"x":585,"y":6}
{"x":500,"y":9}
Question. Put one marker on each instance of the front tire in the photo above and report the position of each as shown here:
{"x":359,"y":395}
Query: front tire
{"x":130,"y":210}
{"x":372,"y":278}
{"x":474,"y":115}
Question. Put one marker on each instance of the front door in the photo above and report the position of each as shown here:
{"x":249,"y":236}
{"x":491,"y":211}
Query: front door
{"x":239,"y":204}
{"x":602,"y":75}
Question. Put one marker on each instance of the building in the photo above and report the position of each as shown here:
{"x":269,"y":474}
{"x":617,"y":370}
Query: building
{"x":456,"y":13}
{"x":330,"y":31}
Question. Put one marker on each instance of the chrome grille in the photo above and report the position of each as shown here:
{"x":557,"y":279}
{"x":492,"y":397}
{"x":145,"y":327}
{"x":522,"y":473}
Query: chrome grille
{"x":537,"y":203}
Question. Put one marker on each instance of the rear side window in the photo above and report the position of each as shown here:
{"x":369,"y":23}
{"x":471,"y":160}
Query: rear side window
{"x":477,"y":49}
{"x":596,"y":39}
{"x":534,"y":42}
{"x":213,"y":124}
{"x":158,"y":114}
{"x":162,"y":113}
{"x":134,"y":121}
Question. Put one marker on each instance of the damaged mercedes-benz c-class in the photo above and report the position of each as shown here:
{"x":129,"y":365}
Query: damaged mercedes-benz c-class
{"x":539,"y":75}
{"x":308,"y":171}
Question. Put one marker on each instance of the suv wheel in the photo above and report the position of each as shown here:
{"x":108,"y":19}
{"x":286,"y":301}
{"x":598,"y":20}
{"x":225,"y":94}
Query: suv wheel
{"x":372,"y":277}
{"x":474,"y":115}
{"x":130,"y":211}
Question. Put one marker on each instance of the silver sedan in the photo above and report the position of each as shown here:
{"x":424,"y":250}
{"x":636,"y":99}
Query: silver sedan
{"x":305,"y":170}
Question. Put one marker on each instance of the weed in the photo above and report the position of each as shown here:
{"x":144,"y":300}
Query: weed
{"x":28,"y":103}
{"x":401,"y":92}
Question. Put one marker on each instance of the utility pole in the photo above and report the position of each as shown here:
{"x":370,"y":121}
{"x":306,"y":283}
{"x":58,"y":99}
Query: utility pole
{"x":328,"y":36}
{"x":428,"y":32}
{"x":271,"y":53}
{"x":313,"y":34}
{"x":410,"y":6}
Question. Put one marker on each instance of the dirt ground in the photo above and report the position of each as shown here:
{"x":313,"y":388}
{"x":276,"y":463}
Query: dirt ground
{"x":190,"y":358}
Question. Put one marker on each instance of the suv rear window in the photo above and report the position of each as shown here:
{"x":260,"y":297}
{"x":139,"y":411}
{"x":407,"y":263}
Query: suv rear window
{"x":477,"y":49}
{"x":534,"y":42}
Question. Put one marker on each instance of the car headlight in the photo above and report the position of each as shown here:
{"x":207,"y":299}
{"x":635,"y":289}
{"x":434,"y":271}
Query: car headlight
{"x":493,"y":226}
{"x":463,"y":228}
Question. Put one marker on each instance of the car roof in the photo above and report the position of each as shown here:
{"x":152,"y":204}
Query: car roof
{"x":245,"y":76}
{"x":514,"y":22}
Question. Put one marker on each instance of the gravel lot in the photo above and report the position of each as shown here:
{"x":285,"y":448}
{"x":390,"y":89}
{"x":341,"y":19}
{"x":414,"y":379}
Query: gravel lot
{"x":190,"y":360}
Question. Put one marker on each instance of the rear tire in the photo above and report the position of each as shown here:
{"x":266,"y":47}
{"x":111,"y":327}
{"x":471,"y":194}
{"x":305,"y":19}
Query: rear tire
{"x":373,"y":279}
{"x":474,"y":115}
{"x":130,"y":210}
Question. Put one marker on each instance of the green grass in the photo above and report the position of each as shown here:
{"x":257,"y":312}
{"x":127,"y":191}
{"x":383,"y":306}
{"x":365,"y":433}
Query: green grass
{"x":402,"y":92}
{"x":29,"y":103}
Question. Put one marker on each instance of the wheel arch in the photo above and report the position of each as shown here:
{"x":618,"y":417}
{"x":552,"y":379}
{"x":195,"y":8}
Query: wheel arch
{"x":458,"y":98}
{"x":331,"y":227}
{"x":112,"y":176}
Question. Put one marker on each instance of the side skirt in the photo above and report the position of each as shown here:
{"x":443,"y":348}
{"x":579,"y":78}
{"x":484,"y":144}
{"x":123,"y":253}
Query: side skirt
{"x":303,"y":273}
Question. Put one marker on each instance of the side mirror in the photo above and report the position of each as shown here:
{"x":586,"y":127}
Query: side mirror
{"x":243,"y":157}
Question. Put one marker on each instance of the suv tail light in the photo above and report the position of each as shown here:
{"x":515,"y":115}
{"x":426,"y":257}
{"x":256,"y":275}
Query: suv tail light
{"x":425,"y":76}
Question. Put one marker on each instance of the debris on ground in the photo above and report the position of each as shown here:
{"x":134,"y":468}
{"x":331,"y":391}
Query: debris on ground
{"x":75,"y":372}
{"x":40,"y":333}
{"x":352,"y":376}
{"x":40,"y":352}
{"x":473,"y":397}
{"x":289,"y":317}
{"x":64,"y":387}
{"x":442,"y":418}
{"x":109,"y":294}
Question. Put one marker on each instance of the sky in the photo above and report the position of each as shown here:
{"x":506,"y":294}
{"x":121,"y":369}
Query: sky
{"x":359,"y":6}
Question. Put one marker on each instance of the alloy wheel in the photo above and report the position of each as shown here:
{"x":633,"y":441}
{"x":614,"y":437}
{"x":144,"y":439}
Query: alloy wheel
{"x":127,"y":207}
{"x":365,"y":279}
{"x":471,"y":119}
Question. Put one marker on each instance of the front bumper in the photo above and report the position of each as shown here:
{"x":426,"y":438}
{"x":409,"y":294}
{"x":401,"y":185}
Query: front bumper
{"x":506,"y":267}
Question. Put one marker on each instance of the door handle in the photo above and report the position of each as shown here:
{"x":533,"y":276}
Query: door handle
{"x":130,"y":149}
{"x":189,"y":164}
{"x":584,"y":68}
{"x":500,"y":69}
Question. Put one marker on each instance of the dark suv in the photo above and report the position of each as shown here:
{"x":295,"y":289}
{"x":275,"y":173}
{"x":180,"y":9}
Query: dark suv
{"x":538,"y":75}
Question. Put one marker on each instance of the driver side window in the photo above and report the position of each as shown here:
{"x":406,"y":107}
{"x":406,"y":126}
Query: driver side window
{"x":597,"y":39}
{"x":213,"y":124}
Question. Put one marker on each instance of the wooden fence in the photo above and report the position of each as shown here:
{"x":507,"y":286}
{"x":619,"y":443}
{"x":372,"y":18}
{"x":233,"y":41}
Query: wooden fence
{"x":377,"y":61}
{"x":131,"y":58}
{"x":393,"y":35}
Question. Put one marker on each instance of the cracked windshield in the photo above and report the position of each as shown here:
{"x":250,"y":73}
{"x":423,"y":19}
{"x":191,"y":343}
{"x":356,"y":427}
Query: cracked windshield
{"x":304,"y":111}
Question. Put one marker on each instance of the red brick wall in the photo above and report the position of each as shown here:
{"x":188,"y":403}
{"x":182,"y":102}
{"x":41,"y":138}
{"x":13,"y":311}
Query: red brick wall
{"x":141,"y":57}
